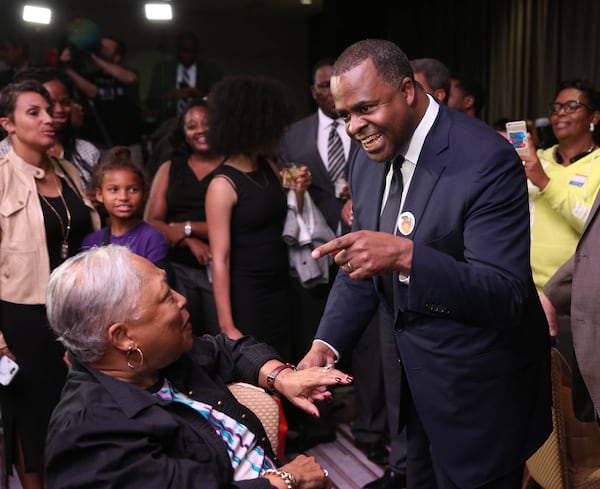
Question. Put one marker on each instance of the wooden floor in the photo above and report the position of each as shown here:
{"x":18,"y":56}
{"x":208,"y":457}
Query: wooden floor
{"x":347,"y":466}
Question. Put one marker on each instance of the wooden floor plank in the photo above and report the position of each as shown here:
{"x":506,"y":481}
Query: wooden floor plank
{"x":348,"y":467}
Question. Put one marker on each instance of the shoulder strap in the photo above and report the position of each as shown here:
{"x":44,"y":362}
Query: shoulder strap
{"x":67,"y":176}
{"x":106,"y":237}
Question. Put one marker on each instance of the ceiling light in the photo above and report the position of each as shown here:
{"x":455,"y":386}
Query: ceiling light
{"x":306,"y":2}
{"x":39,"y":15}
{"x":158,"y":11}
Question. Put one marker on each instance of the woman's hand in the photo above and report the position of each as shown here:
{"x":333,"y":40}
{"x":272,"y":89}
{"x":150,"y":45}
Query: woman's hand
{"x":533,"y":167}
{"x":199,"y":249}
{"x":174,"y":233}
{"x":5,"y":351}
{"x":308,"y":472}
{"x":304,"y":387}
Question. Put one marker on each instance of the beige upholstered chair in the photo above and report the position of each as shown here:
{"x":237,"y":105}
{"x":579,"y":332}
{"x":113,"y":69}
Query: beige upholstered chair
{"x":570,"y":458}
{"x":265,"y":407}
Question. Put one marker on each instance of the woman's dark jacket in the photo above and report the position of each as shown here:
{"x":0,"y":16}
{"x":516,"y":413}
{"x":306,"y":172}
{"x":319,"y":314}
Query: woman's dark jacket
{"x":106,"y":433}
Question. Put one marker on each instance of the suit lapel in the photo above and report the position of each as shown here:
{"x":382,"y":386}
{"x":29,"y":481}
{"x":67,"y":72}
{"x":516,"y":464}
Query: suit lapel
{"x":428,"y":171}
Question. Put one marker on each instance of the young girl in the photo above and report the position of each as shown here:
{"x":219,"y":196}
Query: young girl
{"x":122,"y":189}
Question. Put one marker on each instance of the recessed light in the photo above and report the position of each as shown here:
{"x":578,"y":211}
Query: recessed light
{"x":39,"y":15}
{"x":158,"y":11}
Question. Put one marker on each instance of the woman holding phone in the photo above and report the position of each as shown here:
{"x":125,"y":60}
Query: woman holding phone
{"x":563,"y":179}
{"x":44,"y":215}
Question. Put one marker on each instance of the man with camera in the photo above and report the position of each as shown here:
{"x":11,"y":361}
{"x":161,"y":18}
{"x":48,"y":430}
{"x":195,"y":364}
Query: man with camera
{"x":112,"y":97}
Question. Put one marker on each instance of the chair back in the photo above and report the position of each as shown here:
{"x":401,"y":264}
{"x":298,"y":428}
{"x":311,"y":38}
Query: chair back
{"x":264,"y":406}
{"x":570,"y":457}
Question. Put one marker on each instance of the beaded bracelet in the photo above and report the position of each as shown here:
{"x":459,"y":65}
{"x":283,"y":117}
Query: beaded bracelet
{"x":287,"y":477}
{"x":273,"y":375}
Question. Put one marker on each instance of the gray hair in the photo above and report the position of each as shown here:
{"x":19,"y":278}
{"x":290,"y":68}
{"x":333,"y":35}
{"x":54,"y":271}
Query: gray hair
{"x":87,"y":294}
{"x":389,"y":60}
{"x":434,"y":71}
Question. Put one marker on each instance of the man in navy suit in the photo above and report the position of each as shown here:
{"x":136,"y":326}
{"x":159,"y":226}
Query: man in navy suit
{"x":454,"y":274}
{"x":176,"y":81}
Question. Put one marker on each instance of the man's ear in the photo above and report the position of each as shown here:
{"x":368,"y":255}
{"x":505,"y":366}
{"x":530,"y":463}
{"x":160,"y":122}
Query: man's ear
{"x":409,"y":89}
{"x":441,"y":95}
{"x":469,"y":102}
{"x":118,"y":336}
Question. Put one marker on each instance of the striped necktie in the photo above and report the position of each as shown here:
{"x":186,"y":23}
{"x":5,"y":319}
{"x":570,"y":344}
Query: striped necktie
{"x":184,"y":82}
{"x":335,"y":154}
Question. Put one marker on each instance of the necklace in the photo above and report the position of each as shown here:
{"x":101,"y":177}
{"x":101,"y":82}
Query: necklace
{"x":262,"y":186}
{"x":65,"y":230}
{"x":559,"y":159}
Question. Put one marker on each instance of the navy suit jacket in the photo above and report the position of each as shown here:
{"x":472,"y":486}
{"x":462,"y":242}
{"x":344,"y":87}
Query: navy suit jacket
{"x":299,"y":144}
{"x":164,"y":81}
{"x":470,"y":331}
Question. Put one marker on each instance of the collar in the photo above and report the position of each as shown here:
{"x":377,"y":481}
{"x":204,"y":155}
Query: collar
{"x":31,"y":170}
{"x":131,"y":399}
{"x":415,"y":145}
{"x":325,"y":121}
{"x":559,"y":159}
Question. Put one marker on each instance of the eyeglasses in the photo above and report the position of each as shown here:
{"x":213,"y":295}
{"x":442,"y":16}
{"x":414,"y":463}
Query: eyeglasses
{"x":569,"y":106}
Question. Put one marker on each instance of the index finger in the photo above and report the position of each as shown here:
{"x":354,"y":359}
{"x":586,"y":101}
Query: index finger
{"x":332,"y":247}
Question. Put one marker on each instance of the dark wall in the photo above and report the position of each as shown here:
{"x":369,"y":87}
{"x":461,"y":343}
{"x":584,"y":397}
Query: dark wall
{"x":239,"y":42}
{"x":519,"y":49}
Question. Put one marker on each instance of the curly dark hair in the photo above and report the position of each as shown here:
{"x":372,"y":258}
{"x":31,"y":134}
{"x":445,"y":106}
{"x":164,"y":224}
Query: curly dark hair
{"x":246,"y":113}
{"x":177,"y":137}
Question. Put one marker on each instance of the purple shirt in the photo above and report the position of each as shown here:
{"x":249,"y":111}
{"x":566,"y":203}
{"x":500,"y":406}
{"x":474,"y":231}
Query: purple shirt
{"x":144,"y":240}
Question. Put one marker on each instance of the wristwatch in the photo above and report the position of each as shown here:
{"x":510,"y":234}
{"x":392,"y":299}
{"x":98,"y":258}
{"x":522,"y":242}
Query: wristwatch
{"x":187,"y":229}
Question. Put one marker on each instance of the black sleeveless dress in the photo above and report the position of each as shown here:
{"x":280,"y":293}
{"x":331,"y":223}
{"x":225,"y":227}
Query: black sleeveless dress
{"x":259,"y":274}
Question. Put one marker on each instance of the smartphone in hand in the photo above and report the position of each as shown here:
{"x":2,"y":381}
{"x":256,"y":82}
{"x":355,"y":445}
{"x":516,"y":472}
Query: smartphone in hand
{"x":517,"y":135}
{"x":8,"y":369}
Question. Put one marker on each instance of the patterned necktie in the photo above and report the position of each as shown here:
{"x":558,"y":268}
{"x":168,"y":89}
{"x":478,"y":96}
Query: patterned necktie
{"x":335,"y":154}
{"x":388,"y":221}
{"x":184,"y":82}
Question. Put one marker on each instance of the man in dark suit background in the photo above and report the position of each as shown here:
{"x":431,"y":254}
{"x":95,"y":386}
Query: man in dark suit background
{"x":175,"y":82}
{"x":470,"y":331}
{"x":306,"y":142}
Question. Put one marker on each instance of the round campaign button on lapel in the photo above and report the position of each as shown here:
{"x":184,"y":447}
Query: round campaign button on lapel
{"x":406,"y":223}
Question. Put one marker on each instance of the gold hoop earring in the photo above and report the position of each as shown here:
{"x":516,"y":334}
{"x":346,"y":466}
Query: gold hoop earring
{"x":131,"y":351}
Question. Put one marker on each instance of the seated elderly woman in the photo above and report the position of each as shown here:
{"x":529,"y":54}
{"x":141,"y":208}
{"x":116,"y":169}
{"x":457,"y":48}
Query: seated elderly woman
{"x":146,"y":403}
